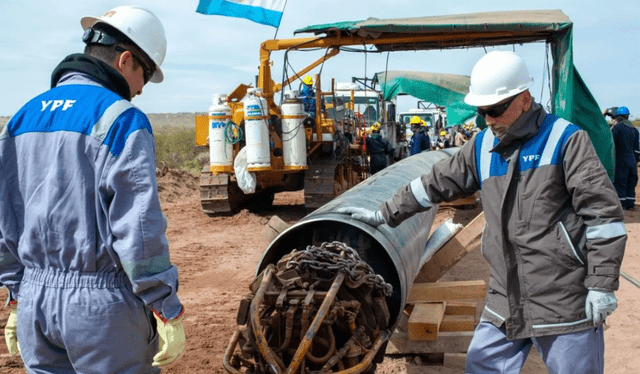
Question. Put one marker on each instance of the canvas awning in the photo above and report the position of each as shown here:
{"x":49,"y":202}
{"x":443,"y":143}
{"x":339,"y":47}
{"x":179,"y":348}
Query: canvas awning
{"x":571,"y":99}
{"x":447,"y":90}
{"x":451,"y":31}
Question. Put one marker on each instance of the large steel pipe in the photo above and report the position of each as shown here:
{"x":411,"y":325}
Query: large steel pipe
{"x":393,"y":253}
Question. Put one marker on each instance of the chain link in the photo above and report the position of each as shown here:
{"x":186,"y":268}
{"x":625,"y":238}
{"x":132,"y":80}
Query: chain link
{"x":338,"y":257}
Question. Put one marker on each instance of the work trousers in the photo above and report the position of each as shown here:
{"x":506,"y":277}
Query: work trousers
{"x":491,"y":353}
{"x":71,"y":322}
{"x":625,"y":181}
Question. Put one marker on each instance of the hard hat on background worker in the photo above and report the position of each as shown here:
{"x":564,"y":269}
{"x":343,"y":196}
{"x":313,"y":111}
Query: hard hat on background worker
{"x":141,"y":26}
{"x":622,"y":111}
{"x":307,"y":80}
{"x":443,"y":133}
{"x":611,"y":112}
{"x":415,"y":120}
{"x":375,"y":126}
{"x":498,"y":75}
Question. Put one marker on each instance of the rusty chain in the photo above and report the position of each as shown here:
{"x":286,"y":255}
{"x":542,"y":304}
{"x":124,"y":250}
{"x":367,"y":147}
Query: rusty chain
{"x":338,"y":257}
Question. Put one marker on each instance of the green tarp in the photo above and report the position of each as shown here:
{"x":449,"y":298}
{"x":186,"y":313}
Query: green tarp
{"x":447,"y":90}
{"x":571,"y":98}
{"x":573,"y":101}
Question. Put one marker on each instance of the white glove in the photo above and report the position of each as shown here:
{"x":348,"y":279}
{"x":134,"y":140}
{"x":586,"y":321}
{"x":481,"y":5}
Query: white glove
{"x":599,"y":305}
{"x":373,"y":218}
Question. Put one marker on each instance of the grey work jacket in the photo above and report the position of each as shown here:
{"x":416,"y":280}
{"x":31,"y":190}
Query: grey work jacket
{"x":554,"y":224}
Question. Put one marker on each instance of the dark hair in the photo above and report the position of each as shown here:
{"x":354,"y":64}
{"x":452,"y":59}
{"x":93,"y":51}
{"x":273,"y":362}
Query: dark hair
{"x":106,"y":53}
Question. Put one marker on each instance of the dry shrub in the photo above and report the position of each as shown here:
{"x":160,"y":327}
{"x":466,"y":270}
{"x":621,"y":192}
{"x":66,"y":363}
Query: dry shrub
{"x":176,"y":149}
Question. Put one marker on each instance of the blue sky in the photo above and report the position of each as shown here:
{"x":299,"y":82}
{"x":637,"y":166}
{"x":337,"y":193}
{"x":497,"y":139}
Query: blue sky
{"x":213,"y":54}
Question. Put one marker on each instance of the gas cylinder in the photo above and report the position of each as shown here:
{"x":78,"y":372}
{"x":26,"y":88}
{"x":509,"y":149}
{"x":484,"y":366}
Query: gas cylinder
{"x":294,"y":145}
{"x":220,"y":150}
{"x":256,"y":114}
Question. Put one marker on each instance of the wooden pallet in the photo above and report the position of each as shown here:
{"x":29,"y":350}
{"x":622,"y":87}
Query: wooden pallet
{"x":440,"y":316}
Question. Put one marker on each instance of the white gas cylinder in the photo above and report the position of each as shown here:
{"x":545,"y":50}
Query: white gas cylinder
{"x":256,"y":114}
{"x":294,"y":145}
{"x":220,"y":150}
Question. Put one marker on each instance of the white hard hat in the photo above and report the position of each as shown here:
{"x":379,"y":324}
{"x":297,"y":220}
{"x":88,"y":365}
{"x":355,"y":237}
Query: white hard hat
{"x":139,"y":25}
{"x":496,"y":76}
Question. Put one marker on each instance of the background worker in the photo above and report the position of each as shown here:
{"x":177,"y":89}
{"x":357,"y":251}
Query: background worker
{"x":308,"y":96}
{"x":460,"y":138}
{"x":625,"y":138}
{"x":378,"y":149}
{"x":83,"y":250}
{"x":611,"y":113}
{"x":554,"y":236}
{"x":420,"y":139}
{"x":443,"y":140}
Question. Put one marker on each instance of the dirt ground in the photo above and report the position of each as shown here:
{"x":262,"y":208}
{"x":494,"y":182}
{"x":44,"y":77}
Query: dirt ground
{"x":217,"y":257}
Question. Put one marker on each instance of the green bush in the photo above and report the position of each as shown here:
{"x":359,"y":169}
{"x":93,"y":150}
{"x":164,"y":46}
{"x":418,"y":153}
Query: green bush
{"x":175,"y":148}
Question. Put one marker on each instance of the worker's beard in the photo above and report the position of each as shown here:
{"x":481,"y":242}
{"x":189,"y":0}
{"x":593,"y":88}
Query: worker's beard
{"x":498,"y":130}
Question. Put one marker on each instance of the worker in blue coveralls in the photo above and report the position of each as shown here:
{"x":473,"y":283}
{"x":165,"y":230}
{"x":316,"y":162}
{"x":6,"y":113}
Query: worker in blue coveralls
{"x":308,"y":96}
{"x":83,"y":250}
{"x":554,"y":236}
{"x":625,"y":137}
{"x":420,"y":139}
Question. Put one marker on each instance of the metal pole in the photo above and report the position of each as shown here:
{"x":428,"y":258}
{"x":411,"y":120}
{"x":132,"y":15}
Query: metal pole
{"x":630,"y":279}
{"x":258,"y":332}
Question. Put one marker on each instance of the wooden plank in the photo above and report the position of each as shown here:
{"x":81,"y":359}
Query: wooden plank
{"x":424,"y":321}
{"x":274,"y":227}
{"x":447,"y":342}
{"x":444,"y":291}
{"x":457,"y":323}
{"x":452,"y":308}
{"x":460,"y":307}
{"x":455,"y":360}
{"x":450,"y":254}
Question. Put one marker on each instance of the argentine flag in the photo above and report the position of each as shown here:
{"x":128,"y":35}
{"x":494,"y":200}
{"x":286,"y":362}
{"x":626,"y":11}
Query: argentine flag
{"x":266,"y":12}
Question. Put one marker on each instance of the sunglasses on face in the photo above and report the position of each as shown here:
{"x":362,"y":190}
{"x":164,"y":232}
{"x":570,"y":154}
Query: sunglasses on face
{"x":496,"y":110}
{"x":147,"y":71}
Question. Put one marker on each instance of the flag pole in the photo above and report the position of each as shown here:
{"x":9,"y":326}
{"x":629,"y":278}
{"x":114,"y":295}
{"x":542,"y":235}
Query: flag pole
{"x":278,"y":28}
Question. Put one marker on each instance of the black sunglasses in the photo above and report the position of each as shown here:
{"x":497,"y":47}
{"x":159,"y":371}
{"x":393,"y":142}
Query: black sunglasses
{"x":496,"y":110}
{"x":147,"y":71}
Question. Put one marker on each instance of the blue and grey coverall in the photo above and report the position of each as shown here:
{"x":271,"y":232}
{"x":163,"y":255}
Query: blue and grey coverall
{"x":82,"y":234}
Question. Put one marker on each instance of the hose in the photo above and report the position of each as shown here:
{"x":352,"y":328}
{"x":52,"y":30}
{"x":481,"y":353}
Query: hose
{"x":331,"y":344}
{"x":232,"y":134}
